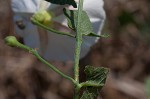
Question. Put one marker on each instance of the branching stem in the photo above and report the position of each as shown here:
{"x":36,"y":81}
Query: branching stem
{"x":12,"y":41}
{"x":78,"y":48}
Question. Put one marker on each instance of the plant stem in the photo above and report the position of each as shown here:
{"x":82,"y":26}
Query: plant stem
{"x":35,"y":53}
{"x":78,"y":49}
{"x":50,"y":29}
{"x":88,"y":84}
{"x":78,"y":42}
{"x":76,"y":95}
{"x":53,"y":67}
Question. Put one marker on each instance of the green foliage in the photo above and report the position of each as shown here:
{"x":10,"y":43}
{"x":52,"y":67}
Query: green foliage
{"x":80,"y":23}
{"x":88,"y":94}
{"x":63,"y":2}
{"x":72,"y":16}
{"x":85,"y":23}
{"x":96,"y":78}
{"x":148,"y":87}
{"x":96,"y":75}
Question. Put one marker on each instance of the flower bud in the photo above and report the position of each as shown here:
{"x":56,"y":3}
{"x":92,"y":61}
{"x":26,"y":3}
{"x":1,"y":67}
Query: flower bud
{"x":44,"y":17}
{"x":11,"y":41}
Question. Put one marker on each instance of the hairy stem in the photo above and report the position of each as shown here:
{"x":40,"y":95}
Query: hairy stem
{"x":50,"y":29}
{"x":35,"y":53}
{"x":88,"y":84}
{"x":78,"y":42}
{"x":78,"y":49}
{"x":52,"y":67}
{"x":77,"y":92}
{"x":12,"y":41}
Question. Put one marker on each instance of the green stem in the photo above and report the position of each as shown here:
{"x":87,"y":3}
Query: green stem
{"x":52,"y":67}
{"x":77,"y":91}
{"x":12,"y":41}
{"x":78,"y":49}
{"x":76,"y":95}
{"x":50,"y":29}
{"x":88,"y":84}
{"x":35,"y":53}
{"x":78,"y":42}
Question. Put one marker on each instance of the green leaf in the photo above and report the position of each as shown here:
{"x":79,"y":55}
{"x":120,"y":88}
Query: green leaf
{"x":96,"y":78}
{"x":63,"y":2}
{"x":88,"y":95}
{"x":95,"y":35}
{"x":85,"y":27}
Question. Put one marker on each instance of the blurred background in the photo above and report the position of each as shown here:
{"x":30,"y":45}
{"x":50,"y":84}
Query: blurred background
{"x":126,"y":53}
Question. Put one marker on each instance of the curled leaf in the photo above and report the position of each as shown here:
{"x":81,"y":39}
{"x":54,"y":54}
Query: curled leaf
{"x":96,"y":78}
{"x":63,"y":2}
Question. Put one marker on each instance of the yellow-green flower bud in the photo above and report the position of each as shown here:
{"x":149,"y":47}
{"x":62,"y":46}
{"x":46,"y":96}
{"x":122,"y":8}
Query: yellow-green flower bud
{"x":44,"y":17}
{"x":11,"y":41}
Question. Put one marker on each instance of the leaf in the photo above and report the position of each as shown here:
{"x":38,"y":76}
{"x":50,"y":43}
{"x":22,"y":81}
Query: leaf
{"x":97,"y":75}
{"x":87,"y":95}
{"x":71,"y":17}
{"x":95,"y":35}
{"x":96,"y":78}
{"x":63,"y":2}
{"x":86,"y":26}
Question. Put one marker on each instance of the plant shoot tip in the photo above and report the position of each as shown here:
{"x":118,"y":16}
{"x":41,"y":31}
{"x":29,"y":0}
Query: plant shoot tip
{"x":11,"y":41}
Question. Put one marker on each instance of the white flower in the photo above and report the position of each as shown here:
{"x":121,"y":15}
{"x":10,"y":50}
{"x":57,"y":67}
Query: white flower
{"x":50,"y":45}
